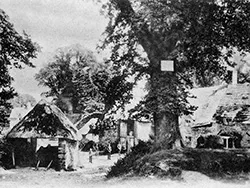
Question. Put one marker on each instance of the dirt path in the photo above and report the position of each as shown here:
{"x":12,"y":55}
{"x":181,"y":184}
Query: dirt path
{"x":93,"y":175}
{"x":88,"y":174}
{"x":28,"y":178}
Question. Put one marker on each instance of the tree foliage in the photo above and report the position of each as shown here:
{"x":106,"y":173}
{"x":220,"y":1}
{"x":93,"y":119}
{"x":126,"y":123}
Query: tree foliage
{"x":76,"y":78}
{"x":15,"y":51}
{"x":198,"y":35}
{"x":22,"y":100}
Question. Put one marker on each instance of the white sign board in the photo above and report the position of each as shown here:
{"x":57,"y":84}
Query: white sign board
{"x":167,"y":65}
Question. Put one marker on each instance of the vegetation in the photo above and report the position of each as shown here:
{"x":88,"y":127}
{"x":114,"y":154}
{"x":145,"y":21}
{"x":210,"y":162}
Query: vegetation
{"x":5,"y":152}
{"x":79,"y":83}
{"x":15,"y":51}
{"x":126,"y":165}
{"x":199,"y":36}
{"x":170,"y":163}
{"x":22,"y":100}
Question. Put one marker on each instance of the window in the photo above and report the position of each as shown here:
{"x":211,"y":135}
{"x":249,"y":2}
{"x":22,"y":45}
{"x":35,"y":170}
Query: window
{"x":227,"y":142}
{"x":188,"y":140}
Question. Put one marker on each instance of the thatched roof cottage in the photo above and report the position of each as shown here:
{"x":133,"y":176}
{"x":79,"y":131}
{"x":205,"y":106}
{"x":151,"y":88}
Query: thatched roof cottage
{"x":44,"y":137}
{"x":223,"y":111}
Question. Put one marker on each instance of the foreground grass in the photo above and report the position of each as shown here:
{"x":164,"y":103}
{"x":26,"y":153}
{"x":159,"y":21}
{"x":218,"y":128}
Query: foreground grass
{"x":29,"y":178}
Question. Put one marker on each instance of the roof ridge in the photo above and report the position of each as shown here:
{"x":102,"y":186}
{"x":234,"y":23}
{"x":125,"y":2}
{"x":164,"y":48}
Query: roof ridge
{"x":67,"y":124}
{"x":219,"y":89}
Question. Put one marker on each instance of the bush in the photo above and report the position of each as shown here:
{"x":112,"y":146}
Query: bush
{"x":5,"y":159}
{"x":109,"y":137}
{"x":104,"y":147}
{"x":210,"y":141}
{"x":170,"y":163}
{"x":128,"y":163}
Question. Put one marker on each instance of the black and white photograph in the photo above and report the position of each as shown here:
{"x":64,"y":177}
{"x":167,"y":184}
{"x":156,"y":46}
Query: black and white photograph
{"x":124,"y":93}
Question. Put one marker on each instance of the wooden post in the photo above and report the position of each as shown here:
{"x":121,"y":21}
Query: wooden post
{"x":13,"y":158}
{"x":90,"y":155}
{"x":109,"y":156}
{"x":227,"y":142}
{"x":37,"y":165}
{"x":49,"y":164}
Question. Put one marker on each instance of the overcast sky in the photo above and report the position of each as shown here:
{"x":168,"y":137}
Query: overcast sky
{"x":52,"y":24}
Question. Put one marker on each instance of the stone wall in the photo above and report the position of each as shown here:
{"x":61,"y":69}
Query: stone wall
{"x":68,"y":154}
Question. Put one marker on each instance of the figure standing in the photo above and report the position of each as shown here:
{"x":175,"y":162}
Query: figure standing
{"x":119,"y":146}
{"x":109,"y":151}
{"x":130,"y":141}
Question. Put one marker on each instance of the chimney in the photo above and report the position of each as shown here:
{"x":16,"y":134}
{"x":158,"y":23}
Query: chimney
{"x":67,"y":102}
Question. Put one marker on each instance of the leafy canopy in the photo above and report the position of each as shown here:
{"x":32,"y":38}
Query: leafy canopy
{"x":198,"y":35}
{"x":80,"y":83}
{"x":15,"y":50}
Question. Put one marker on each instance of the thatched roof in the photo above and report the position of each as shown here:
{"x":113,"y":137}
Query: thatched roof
{"x":84,"y":124}
{"x":87,"y":118}
{"x":236,"y":95}
{"x":44,"y":120}
{"x":206,"y":100}
{"x":226,"y":101}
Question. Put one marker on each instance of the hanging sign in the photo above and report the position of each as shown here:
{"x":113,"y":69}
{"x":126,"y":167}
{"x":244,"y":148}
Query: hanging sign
{"x":167,"y":65}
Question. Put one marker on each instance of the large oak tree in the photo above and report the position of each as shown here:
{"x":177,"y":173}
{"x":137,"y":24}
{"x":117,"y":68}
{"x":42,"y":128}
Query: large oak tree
{"x":198,"y":35}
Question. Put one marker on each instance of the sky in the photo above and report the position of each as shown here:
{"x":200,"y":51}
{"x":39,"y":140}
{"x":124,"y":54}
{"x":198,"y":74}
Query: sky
{"x":52,"y":24}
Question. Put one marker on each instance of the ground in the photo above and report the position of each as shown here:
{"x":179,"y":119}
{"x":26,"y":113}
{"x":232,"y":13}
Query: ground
{"x":93,"y":175}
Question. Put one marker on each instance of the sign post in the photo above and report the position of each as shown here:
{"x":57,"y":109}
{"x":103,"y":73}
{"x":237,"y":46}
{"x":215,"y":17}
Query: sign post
{"x":167,"y":65}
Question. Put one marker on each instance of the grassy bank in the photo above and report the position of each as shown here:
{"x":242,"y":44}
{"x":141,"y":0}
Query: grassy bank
{"x":170,"y":163}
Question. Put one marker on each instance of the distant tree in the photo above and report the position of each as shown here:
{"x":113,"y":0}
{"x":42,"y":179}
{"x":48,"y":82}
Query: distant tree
{"x":22,"y":100}
{"x":80,"y":83}
{"x":198,"y":35}
{"x":59,"y":76}
{"x":243,"y":67}
{"x":15,"y":50}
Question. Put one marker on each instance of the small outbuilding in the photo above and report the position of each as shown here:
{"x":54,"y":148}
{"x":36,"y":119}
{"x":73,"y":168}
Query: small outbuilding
{"x":131,"y":131}
{"x":45,"y":137}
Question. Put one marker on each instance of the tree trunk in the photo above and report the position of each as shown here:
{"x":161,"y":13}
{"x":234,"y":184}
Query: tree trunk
{"x":166,"y":120}
{"x":167,"y":132}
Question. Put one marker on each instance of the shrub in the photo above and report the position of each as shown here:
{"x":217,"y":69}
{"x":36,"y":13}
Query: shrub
{"x":128,"y":163}
{"x":170,"y":163}
{"x":210,"y":141}
{"x":5,"y":159}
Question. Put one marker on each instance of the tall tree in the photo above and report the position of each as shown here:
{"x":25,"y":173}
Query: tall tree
{"x":80,"y":83}
{"x":15,"y":50}
{"x":198,"y":35}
